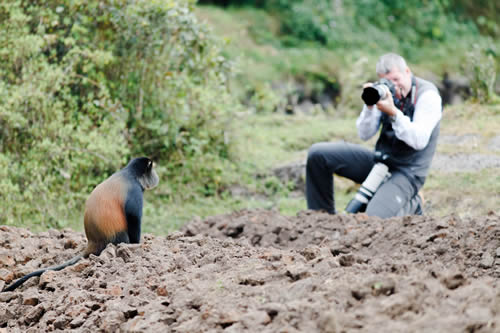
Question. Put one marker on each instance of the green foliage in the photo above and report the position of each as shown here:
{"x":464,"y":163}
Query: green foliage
{"x":481,"y":70}
{"x":88,"y":84}
{"x":174,"y":85}
{"x":60,"y":127}
{"x":308,"y":20}
{"x":483,"y":12}
{"x":411,"y":20}
{"x":400,"y":25}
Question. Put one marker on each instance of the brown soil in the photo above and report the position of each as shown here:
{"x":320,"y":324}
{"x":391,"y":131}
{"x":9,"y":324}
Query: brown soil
{"x":259,"y":271}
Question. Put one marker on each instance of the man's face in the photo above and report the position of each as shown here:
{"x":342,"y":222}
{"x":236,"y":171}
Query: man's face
{"x":401,"y":80}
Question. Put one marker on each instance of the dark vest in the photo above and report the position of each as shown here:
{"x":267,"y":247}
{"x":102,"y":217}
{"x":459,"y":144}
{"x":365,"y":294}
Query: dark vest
{"x":414,"y":163}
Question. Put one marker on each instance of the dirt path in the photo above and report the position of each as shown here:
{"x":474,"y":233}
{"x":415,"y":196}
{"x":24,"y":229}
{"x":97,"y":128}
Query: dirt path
{"x":258,"y":271}
{"x":462,"y":162}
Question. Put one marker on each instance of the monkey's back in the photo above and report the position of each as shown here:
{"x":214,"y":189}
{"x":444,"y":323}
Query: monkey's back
{"x":104,"y":211}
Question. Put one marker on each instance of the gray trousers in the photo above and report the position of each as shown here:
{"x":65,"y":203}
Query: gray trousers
{"x":397,"y":196}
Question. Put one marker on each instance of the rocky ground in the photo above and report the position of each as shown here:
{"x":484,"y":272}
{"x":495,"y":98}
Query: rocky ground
{"x":259,"y":271}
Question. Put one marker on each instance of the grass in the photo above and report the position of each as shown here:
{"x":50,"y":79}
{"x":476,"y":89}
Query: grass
{"x":465,"y":194}
{"x":268,"y":140}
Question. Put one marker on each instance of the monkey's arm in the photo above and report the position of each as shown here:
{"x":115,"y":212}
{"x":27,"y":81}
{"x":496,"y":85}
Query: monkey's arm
{"x":133,"y":213}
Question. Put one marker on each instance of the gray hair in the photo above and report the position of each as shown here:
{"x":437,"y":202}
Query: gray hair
{"x":388,"y":61}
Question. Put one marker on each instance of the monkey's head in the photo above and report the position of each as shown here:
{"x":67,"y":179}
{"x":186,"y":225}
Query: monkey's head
{"x":142,"y":168}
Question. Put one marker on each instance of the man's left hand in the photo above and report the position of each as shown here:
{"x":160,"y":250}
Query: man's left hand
{"x":386,"y":105}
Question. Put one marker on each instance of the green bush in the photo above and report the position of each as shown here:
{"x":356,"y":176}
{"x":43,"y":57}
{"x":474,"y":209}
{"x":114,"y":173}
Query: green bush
{"x":483,"y":12}
{"x":60,"y":128}
{"x":86,"y":85}
{"x":414,"y":23}
{"x":399,"y":25}
{"x":175,"y":88}
{"x":480,"y":68}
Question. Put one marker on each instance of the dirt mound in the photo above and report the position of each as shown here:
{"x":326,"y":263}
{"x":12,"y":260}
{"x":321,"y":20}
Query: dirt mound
{"x":260,"y":271}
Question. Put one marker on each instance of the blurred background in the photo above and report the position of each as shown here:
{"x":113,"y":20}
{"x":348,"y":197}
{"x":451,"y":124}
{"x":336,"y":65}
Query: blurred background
{"x":226,"y":96}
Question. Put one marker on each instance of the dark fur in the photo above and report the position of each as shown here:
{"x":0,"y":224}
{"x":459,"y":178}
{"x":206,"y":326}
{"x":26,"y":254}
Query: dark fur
{"x":113,"y":212}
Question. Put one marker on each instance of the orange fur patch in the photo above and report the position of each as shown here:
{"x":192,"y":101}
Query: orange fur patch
{"x":104,"y":210}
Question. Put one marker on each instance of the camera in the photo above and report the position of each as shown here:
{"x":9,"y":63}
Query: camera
{"x":371,"y":95}
{"x":378,"y":174}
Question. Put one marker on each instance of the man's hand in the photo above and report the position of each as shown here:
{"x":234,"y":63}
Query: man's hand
{"x":386,"y":105}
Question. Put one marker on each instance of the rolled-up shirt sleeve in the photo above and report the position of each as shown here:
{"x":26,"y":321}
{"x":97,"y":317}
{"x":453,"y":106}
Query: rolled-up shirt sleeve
{"x":368,"y":122}
{"x":417,"y":133}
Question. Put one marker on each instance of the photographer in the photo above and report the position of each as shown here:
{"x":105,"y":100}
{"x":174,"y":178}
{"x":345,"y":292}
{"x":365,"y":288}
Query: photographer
{"x":409,"y":119}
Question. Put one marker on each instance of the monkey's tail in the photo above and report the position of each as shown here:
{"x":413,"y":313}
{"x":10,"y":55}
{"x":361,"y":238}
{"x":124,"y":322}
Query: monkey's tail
{"x":41,"y":271}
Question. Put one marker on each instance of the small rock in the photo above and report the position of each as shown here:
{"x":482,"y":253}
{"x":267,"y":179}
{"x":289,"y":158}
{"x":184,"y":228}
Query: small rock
{"x":162,"y":291}
{"x":6,"y":275}
{"x":229,"y":317}
{"x":77,"y":296}
{"x":367,"y":242}
{"x":453,"y":281}
{"x":30,"y":298}
{"x":497,"y":253}
{"x":124,"y":253}
{"x":360,"y":293}
{"x":437,"y":236}
{"x":70,"y":244}
{"x":487,"y":260}
{"x":60,"y":323}
{"x":175,"y":235}
{"x":46,"y":278}
{"x":347,"y":260}
{"x":93,"y":306}
{"x":252,"y":318}
{"x":297,"y":272}
{"x":234,"y":230}
{"x":77,"y":322}
{"x":328,"y":322}
{"x":310,"y":253}
{"x":273,"y":309}
{"x":53,"y":233}
{"x":6,"y":260}
{"x":108,"y":254}
{"x":114,"y":290}
{"x":81,"y":265}
{"x":50,"y":317}
{"x":7,"y":296}
{"x":77,"y":311}
{"x":384,"y":286}
{"x":35,"y":314}
{"x":5,"y":316}
{"x":112,"y":320}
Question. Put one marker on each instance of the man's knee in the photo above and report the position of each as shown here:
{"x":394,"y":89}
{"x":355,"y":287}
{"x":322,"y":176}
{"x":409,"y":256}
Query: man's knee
{"x":393,"y":198}
{"x":316,"y":153}
{"x":378,"y":210}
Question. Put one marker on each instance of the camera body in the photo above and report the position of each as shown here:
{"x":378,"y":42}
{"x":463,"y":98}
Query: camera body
{"x":371,"y":95}
{"x":378,"y":174}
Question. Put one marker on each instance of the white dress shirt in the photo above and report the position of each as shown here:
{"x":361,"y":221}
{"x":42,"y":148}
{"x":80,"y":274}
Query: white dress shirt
{"x":414,"y":133}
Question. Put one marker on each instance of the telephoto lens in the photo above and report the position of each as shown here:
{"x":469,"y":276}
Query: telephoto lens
{"x":366,"y":191}
{"x":371,"y":95}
